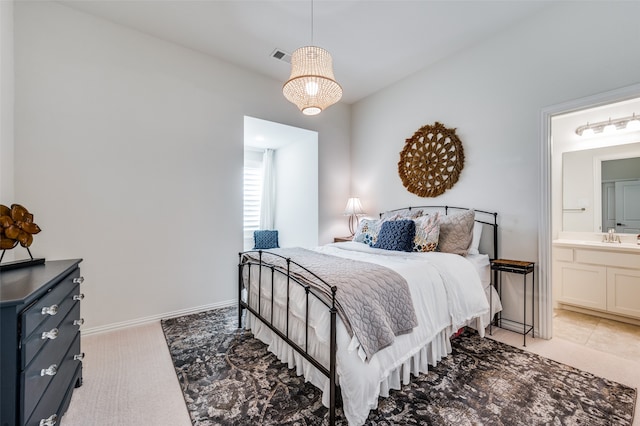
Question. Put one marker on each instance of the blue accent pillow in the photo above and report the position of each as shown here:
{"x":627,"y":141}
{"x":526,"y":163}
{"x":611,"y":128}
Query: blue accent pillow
{"x":265,"y":240}
{"x":396,"y":235}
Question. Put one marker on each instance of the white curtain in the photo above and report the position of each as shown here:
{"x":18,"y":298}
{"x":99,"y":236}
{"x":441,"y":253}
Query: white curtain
{"x":268,"y":201}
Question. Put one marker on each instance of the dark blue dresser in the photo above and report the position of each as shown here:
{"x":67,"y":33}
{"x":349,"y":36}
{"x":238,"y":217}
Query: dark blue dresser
{"x":41,"y":360}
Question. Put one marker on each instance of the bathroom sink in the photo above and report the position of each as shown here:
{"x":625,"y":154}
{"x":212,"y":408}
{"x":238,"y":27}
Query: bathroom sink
{"x":599,"y":244}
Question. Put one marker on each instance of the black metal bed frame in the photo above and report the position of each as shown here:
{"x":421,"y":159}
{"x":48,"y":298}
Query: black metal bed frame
{"x":246,"y":262}
{"x":493,"y":223}
{"x":331,"y":305}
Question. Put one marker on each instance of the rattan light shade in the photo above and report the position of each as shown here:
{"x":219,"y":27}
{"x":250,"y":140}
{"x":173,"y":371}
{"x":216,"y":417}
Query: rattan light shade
{"x":312,"y":86}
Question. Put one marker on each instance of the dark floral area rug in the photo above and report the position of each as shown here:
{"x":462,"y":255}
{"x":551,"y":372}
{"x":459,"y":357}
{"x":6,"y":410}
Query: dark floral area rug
{"x":229,"y":378}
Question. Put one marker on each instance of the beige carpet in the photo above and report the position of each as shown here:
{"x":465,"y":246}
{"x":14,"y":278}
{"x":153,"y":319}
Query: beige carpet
{"x":129,"y":379}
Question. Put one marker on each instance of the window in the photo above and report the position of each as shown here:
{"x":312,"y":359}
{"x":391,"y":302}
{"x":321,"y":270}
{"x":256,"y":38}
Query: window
{"x":252,"y":195}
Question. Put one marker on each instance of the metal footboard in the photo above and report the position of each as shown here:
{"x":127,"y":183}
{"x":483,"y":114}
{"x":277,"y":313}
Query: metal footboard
{"x":260,"y":267}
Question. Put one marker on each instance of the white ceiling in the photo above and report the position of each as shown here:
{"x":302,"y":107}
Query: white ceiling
{"x":374,"y":43}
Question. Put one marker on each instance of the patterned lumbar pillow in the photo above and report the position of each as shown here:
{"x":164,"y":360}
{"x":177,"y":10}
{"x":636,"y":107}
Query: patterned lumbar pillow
{"x":456,"y":232}
{"x":367,"y":231}
{"x":401,"y":214}
{"x":427,"y":233}
{"x":265,"y":239}
{"x":396,"y":235}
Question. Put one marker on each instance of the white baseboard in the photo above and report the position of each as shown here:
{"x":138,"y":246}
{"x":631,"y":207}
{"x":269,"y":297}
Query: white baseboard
{"x":153,"y":318}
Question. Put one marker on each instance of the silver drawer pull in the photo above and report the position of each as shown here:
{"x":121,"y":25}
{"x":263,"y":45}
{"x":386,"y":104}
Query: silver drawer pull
{"x":52,"y":334}
{"x":78,"y":357}
{"x":49,"y":421}
{"x":78,"y":280}
{"x":78,"y":322}
{"x":78,"y":296}
{"x":50,"y":310}
{"x":51,"y":371}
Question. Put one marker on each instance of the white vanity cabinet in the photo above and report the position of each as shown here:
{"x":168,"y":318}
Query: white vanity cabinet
{"x":623,"y":291}
{"x":599,"y":277}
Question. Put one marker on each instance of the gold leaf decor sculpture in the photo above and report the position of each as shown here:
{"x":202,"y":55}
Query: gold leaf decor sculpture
{"x":431,"y":160}
{"x":16,"y":226}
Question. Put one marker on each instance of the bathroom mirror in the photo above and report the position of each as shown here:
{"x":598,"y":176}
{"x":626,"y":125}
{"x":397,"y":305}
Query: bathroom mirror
{"x":601,"y":189}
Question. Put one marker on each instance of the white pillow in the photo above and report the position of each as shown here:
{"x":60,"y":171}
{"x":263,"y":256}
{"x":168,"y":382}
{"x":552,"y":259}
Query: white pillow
{"x":475,"y":241}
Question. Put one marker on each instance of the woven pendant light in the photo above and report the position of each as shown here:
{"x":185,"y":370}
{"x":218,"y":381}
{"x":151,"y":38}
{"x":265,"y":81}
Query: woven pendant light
{"x":312,"y":86}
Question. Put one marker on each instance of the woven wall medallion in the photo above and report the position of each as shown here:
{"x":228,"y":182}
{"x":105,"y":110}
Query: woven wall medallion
{"x":431,"y":160}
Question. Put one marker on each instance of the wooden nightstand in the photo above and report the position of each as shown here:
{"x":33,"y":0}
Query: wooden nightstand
{"x":524,"y":268}
{"x":343,"y":239}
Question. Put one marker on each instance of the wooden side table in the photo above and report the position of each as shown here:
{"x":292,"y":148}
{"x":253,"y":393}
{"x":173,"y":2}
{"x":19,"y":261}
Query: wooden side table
{"x":524,"y":268}
{"x":343,"y":239}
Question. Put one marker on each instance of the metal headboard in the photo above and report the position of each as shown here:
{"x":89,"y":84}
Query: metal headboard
{"x":485,"y":217}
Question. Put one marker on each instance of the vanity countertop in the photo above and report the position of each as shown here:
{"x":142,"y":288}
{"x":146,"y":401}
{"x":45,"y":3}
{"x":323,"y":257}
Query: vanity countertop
{"x":625,"y":246}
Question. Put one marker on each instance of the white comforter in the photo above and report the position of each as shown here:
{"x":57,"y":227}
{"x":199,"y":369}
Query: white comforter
{"x":447,"y":294}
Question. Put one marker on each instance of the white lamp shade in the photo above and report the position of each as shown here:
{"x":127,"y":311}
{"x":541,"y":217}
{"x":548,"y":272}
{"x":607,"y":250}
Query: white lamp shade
{"x":609,"y":128}
{"x":588,"y":132}
{"x":312,"y":86}
{"x":634,"y":124}
{"x":354,"y":207}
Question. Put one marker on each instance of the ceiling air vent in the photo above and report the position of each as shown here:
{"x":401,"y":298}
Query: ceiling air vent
{"x":281,"y":55}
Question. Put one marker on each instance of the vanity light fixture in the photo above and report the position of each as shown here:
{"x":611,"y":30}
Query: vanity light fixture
{"x":609,"y":128}
{"x":587,"y":132}
{"x":634,"y":124}
{"x":312,"y":86}
{"x":630,"y":123}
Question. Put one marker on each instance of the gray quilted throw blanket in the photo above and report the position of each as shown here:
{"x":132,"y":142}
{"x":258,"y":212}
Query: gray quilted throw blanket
{"x":373,"y":301}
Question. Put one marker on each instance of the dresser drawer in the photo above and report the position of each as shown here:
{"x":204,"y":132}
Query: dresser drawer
{"x":24,"y":291}
{"x":62,"y":383}
{"x":57,"y":324}
{"x":34,"y":381}
{"x":33,"y":316}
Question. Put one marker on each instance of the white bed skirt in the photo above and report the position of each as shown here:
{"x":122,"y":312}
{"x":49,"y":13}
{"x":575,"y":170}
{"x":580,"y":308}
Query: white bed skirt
{"x":419,"y":363}
{"x":429,"y":355}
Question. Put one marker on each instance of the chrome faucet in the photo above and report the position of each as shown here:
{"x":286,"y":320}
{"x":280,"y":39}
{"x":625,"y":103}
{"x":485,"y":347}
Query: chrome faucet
{"x":611,"y":237}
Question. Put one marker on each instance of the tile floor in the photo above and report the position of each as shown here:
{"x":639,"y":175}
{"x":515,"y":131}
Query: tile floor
{"x":601,"y":334}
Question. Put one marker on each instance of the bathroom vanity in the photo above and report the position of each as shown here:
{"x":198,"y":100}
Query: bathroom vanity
{"x":596,"y":277}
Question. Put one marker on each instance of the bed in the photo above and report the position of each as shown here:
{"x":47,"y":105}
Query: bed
{"x":297,"y":303}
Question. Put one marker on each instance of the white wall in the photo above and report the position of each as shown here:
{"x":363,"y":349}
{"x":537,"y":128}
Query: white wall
{"x":578,"y":191}
{"x":493,"y":94}
{"x":6,"y":103}
{"x":129,"y":151}
{"x":296,"y":194}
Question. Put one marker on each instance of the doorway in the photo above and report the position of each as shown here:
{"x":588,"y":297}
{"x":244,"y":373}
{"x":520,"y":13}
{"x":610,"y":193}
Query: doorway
{"x":627,"y":206}
{"x":550,"y":210}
